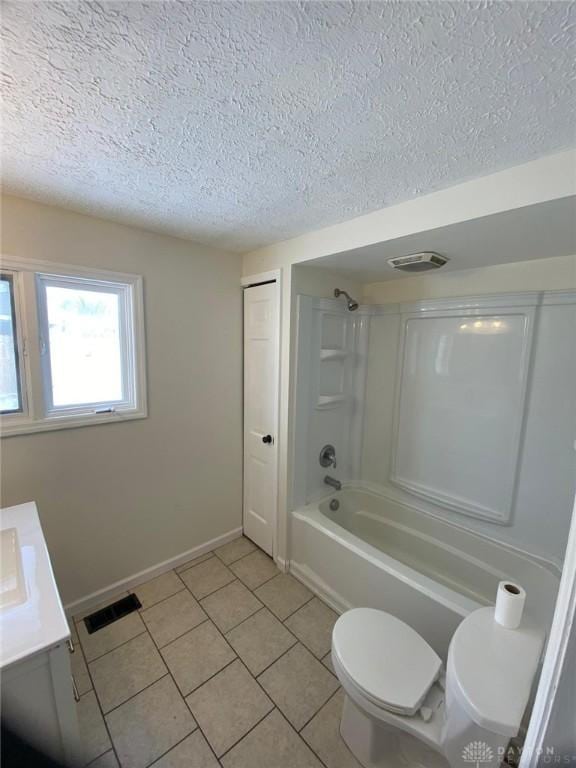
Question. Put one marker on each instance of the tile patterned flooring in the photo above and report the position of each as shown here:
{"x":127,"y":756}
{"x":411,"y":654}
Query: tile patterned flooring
{"x":226,"y":665}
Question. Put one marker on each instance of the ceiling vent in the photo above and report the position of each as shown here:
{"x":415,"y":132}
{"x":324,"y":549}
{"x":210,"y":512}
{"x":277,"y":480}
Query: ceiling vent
{"x":418,"y":262}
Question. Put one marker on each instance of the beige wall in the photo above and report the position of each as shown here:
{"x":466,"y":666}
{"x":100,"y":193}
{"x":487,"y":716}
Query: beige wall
{"x":119,"y":498}
{"x":554,"y":274}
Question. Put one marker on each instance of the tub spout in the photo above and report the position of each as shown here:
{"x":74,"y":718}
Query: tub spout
{"x":336,"y":484}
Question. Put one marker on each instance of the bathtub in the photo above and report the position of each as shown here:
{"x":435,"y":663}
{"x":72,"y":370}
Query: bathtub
{"x":373,"y":551}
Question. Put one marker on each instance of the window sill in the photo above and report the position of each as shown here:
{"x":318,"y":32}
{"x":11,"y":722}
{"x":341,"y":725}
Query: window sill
{"x":30,"y":426}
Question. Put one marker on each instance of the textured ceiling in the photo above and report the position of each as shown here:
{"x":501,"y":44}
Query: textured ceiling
{"x":240,"y":124}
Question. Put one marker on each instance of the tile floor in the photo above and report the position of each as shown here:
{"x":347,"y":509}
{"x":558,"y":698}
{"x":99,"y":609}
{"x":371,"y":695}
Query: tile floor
{"x":226,"y":664}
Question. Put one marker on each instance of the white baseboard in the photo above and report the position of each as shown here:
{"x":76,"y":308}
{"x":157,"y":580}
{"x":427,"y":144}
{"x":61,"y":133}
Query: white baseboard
{"x":319,"y":587}
{"x":111,"y":591}
{"x":282,"y":564}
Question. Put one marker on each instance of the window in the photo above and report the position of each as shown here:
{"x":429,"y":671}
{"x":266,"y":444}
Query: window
{"x":81,"y":336}
{"x":10,"y":392}
{"x":84,"y":343}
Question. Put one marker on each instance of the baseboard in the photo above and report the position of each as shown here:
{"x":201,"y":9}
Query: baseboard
{"x":111,"y":591}
{"x":282,"y":564}
{"x":319,"y":587}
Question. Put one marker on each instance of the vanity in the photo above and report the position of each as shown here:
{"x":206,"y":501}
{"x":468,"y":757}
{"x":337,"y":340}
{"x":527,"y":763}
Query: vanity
{"x":37,"y":686}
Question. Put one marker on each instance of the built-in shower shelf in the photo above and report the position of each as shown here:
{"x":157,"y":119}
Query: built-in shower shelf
{"x":330,"y":401}
{"x":333,"y":354}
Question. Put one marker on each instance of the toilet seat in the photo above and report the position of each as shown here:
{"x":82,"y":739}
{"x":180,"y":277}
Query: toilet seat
{"x":386,"y":660}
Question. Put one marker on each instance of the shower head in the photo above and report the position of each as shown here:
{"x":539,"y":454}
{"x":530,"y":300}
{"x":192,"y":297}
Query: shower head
{"x":351,"y":303}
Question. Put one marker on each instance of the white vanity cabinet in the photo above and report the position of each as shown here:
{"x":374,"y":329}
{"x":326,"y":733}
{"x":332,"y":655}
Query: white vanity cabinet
{"x":37,"y":692}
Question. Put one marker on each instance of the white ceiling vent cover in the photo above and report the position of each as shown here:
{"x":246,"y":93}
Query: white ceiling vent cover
{"x":418,"y":262}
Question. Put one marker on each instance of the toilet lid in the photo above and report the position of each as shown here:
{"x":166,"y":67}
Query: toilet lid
{"x":385,"y":658}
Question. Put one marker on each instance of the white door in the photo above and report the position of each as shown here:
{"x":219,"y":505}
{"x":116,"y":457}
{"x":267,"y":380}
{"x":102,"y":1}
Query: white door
{"x":261,"y":362}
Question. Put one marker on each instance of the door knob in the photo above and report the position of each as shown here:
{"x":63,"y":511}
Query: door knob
{"x":267,"y":439}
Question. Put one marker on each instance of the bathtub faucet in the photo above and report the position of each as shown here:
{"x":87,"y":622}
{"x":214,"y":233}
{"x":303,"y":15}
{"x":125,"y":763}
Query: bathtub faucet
{"x":336,"y":484}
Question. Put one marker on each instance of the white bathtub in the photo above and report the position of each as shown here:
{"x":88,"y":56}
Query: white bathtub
{"x":375,"y":552}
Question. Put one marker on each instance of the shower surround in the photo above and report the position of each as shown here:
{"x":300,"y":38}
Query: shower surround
{"x":452,"y":412}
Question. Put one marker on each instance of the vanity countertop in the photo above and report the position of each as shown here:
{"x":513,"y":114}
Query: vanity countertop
{"x":32,"y":617}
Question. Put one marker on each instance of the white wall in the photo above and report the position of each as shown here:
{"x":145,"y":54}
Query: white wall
{"x":119,"y":498}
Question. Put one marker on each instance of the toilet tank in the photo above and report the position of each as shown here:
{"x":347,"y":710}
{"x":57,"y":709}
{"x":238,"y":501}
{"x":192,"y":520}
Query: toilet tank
{"x":489,"y":677}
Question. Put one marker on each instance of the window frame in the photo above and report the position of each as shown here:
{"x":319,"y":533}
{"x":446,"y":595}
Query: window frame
{"x":31,"y":277}
{"x":12,"y":277}
{"x":122,"y":291}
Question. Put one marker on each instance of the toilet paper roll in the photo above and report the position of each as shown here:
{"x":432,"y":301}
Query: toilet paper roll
{"x":510,"y":599}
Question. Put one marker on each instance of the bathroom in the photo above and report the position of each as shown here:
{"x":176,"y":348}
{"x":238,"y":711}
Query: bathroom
{"x":288,"y":472}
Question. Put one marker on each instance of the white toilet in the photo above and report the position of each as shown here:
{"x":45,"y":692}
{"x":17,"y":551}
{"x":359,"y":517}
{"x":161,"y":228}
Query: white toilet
{"x":401,"y":710}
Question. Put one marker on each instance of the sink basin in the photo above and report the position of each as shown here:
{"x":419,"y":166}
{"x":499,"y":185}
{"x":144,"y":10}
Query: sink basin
{"x":12,"y":586}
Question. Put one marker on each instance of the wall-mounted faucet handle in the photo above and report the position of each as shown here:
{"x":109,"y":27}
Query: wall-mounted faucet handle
{"x":327,"y":456}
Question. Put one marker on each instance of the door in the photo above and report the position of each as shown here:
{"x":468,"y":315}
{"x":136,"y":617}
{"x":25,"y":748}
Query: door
{"x":261,"y":364}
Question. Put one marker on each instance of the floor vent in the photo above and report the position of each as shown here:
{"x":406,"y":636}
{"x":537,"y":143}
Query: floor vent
{"x":119,"y":609}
